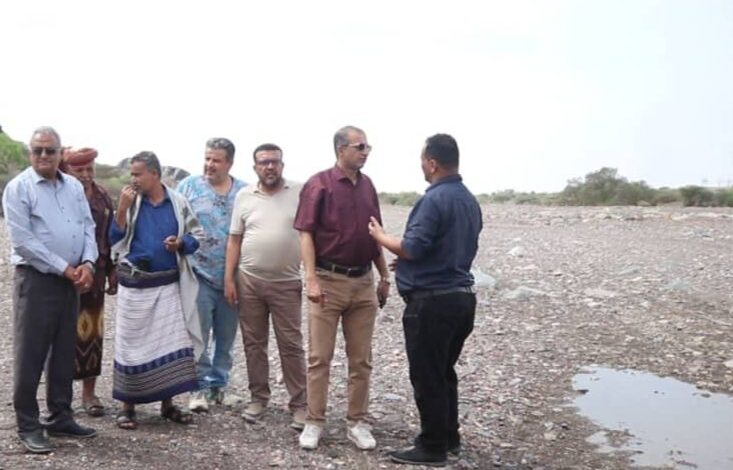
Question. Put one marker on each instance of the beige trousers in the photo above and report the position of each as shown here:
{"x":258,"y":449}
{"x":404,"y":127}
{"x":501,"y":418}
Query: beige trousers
{"x":353,"y":302}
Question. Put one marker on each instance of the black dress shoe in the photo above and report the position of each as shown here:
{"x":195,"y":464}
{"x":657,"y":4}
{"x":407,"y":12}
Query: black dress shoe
{"x":36,"y":442}
{"x":419,"y":456}
{"x":70,"y":429}
{"x":454,"y":450}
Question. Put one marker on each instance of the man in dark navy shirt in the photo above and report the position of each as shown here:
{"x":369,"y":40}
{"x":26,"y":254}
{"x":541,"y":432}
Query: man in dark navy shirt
{"x":433,"y":276}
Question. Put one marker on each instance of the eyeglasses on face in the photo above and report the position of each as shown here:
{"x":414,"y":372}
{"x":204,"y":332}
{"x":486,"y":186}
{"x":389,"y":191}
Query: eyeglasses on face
{"x":38,"y":151}
{"x":269,"y":161}
{"x":361,"y":146}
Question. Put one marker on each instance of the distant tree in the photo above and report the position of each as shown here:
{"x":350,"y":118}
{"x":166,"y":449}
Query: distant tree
{"x":399,"y":199}
{"x":629,"y":194}
{"x":666,"y":195}
{"x":13,"y":157}
{"x":697,"y":196}
{"x":606,"y":187}
{"x":601,"y":186}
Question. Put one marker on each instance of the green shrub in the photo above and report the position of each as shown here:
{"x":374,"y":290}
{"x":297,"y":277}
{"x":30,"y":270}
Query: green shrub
{"x":500,"y":197}
{"x":631,"y":194}
{"x":103,"y":171}
{"x":605,"y":187}
{"x":399,"y":199}
{"x":483,"y":198}
{"x":723,"y":197}
{"x":13,"y":156}
{"x":666,"y":196}
{"x":697,"y":196}
{"x":529,"y":198}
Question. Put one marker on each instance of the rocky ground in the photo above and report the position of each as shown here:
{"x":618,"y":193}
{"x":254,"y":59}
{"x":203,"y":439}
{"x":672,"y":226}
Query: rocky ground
{"x":562,"y":288}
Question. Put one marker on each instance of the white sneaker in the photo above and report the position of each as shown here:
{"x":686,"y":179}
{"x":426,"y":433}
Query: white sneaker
{"x":198,"y":402}
{"x":309,"y":437}
{"x":361,"y":436}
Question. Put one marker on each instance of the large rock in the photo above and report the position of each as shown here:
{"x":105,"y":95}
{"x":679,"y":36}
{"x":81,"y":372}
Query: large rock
{"x":171,"y":175}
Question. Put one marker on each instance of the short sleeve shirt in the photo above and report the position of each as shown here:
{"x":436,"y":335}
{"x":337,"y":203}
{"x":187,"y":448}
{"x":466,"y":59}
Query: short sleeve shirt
{"x":337,"y":212}
{"x":214,"y":212}
{"x":270,"y":247}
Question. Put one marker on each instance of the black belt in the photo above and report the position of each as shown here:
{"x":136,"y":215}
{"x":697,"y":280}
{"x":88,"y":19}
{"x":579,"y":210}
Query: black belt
{"x":421,"y":294}
{"x":348,"y":271}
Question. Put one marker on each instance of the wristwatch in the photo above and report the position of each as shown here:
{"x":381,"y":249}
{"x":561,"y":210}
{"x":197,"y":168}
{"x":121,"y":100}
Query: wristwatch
{"x":90,"y":265}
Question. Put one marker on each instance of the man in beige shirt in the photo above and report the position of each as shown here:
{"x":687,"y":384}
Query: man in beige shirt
{"x":263,"y":278}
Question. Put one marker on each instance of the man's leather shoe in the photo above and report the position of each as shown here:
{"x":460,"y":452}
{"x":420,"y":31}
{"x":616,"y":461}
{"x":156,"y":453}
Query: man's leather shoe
{"x":36,"y":442}
{"x":419,"y":456}
{"x":454,"y":450}
{"x":70,"y":429}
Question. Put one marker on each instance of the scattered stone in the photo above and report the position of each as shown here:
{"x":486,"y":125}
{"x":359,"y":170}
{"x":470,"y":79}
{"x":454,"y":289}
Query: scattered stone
{"x":600,"y":293}
{"x":393,"y":397}
{"x":629,"y":271}
{"x":523,"y":293}
{"x":517,"y":251}
{"x":483,"y":280}
{"x":677,"y":285}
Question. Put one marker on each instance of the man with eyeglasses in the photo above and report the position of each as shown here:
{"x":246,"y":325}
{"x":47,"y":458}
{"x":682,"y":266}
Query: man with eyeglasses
{"x":263,"y":278}
{"x":332,"y":218}
{"x":211,"y":196}
{"x":51,"y":233}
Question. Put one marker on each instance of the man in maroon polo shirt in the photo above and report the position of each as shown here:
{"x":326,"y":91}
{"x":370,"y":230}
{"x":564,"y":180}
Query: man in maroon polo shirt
{"x":338,"y":252}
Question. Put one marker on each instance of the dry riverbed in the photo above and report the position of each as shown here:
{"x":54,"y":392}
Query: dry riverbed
{"x":647,"y":289}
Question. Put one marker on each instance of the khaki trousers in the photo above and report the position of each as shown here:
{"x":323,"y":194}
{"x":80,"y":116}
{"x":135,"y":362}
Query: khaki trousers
{"x":258,"y":300}
{"x":353,"y":302}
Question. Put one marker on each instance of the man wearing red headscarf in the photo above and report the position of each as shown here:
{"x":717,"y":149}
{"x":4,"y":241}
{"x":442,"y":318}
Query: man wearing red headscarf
{"x":90,"y":325}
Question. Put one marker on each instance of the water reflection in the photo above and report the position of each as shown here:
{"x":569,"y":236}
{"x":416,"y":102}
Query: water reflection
{"x":667,"y":423}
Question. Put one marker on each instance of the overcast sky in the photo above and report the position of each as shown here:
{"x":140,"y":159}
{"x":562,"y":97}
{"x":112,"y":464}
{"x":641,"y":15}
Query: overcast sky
{"x":534,"y":92}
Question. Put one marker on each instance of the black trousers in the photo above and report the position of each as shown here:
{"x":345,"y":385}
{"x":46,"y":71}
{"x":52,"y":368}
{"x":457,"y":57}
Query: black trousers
{"x":45,"y":307}
{"x":435,"y":330}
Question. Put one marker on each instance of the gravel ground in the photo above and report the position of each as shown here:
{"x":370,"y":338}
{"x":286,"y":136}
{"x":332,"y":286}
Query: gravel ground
{"x":563,"y":288}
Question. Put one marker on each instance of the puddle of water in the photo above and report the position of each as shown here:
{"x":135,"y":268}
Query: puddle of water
{"x":671,"y":423}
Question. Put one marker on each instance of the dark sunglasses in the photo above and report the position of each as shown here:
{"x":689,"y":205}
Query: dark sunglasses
{"x":50,"y":151}
{"x":361,"y":147}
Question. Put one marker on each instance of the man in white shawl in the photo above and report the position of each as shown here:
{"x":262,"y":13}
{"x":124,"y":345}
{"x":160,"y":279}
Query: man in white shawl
{"x":157,"y":330}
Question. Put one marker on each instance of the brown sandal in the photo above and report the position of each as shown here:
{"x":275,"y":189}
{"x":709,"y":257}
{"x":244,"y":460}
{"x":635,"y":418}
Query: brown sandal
{"x":126,"y":420}
{"x":175,"y":414}
{"x":93,"y":407}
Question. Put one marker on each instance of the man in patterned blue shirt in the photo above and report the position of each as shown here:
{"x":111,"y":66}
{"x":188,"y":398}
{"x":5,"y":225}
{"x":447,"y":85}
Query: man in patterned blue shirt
{"x":211,"y":196}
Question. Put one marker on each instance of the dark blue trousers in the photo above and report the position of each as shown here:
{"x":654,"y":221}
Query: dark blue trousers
{"x":45,"y":308}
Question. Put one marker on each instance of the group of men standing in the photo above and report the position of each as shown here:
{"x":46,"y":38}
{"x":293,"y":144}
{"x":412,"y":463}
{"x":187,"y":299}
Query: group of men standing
{"x":194,"y":262}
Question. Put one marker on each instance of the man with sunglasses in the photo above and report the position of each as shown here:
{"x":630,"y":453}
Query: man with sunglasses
{"x":211,"y":196}
{"x":333,"y":216}
{"x":53,"y":245}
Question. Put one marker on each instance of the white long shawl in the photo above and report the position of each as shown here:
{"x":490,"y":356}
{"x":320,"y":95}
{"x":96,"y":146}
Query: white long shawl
{"x":189,"y":286}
